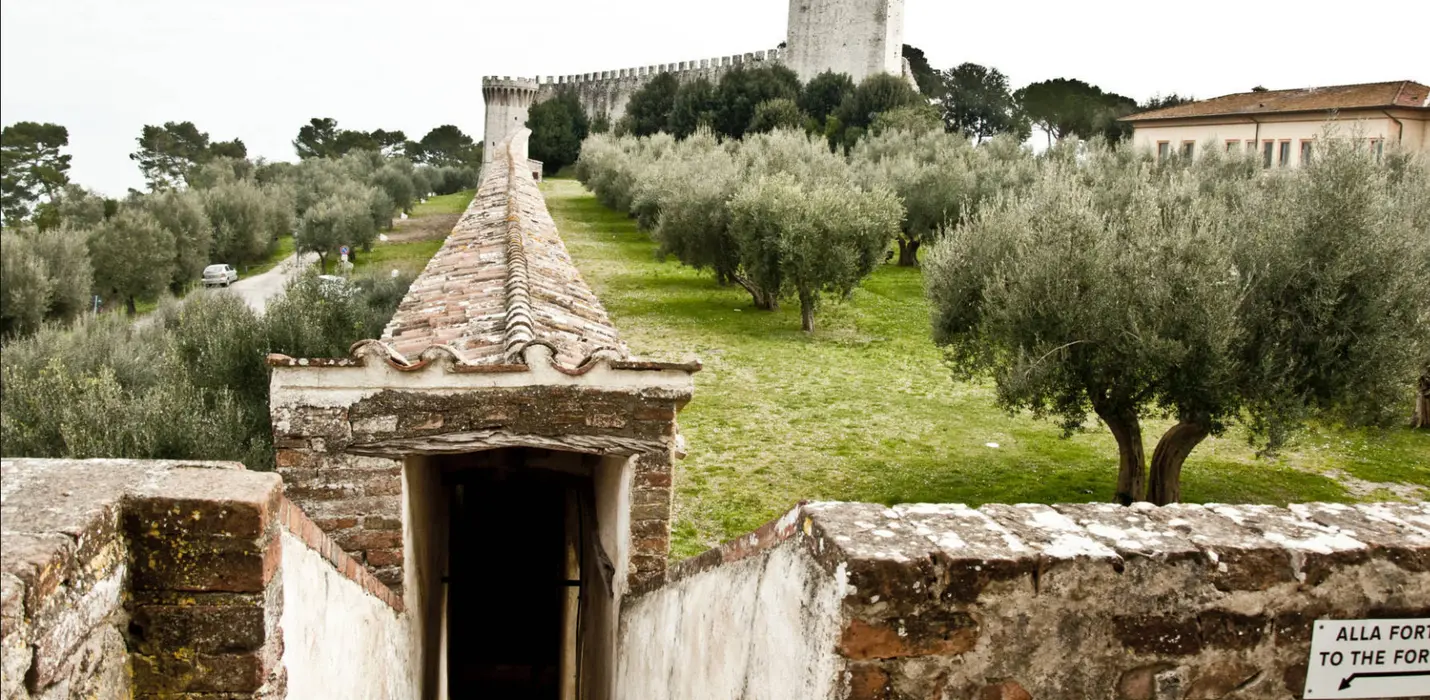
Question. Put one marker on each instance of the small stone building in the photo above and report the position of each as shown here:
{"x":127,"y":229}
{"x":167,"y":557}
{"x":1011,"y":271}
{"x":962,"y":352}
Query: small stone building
{"x":498,"y":458}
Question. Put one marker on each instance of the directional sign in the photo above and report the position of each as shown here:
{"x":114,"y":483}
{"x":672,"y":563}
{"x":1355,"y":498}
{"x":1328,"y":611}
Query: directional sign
{"x":344,"y":251}
{"x":1369,"y":659}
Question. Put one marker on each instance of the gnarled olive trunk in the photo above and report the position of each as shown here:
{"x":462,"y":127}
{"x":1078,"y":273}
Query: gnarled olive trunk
{"x":130,"y":307}
{"x":763,"y":300}
{"x":1131,"y":459}
{"x":1421,"y":418}
{"x":806,"y":311}
{"x":1172,"y":450}
{"x":908,"y":252}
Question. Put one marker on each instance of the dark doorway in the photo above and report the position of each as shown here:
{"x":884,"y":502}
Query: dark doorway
{"x":509,"y":579}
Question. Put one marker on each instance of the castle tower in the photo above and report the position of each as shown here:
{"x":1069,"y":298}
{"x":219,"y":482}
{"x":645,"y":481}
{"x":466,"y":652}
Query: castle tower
{"x":856,"y":37}
{"x":508,"y":100}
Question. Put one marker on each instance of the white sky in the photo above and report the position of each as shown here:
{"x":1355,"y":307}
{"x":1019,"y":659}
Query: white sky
{"x":259,"y":69}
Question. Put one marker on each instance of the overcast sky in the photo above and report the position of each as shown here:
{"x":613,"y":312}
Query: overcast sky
{"x":259,"y":69}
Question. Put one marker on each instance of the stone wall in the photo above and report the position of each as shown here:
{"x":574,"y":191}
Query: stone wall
{"x":153,"y":579}
{"x":1078,"y":601}
{"x":606,"y":93}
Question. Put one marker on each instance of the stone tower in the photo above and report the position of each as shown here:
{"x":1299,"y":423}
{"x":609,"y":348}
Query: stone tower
{"x":857,"y":37}
{"x":508,"y":100}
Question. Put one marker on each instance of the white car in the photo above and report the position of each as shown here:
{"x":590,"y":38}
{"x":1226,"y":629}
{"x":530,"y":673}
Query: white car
{"x":220,"y":275}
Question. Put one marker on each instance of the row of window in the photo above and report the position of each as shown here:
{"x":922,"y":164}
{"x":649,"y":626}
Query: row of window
{"x":1274,"y":153}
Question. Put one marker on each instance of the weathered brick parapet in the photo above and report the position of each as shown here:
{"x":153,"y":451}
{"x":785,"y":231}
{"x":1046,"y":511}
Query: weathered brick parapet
{"x":1103,"y":601}
{"x":148,"y":579}
{"x":1076,"y":601}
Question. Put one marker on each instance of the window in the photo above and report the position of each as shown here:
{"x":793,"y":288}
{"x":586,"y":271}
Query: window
{"x":1251,"y":147}
{"x":1189,"y":149}
{"x":1268,"y":149}
{"x":1306,"y":151}
{"x":1232,"y":145}
{"x":1284,"y":158}
{"x":1377,"y":148}
{"x":1164,"y":149}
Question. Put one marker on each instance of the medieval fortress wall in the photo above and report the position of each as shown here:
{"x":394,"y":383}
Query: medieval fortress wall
{"x":856,"y":37}
{"x":606,"y":93}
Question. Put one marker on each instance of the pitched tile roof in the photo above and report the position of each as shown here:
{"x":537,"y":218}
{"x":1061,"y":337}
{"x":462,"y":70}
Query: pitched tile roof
{"x":1403,"y":94}
{"x":502,"y":282}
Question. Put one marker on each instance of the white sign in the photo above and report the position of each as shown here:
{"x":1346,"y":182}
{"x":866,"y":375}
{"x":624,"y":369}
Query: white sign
{"x":1369,"y":659}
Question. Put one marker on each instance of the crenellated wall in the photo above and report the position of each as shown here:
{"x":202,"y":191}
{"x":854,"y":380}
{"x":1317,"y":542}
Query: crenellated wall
{"x":606,"y":93}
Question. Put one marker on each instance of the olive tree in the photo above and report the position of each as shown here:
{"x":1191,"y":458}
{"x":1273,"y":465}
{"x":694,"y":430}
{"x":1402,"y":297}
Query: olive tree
{"x":808,"y":240}
{"x":133,"y":256}
{"x":341,"y":219}
{"x":1127,"y":290}
{"x":247,"y":220}
{"x":181,"y":213}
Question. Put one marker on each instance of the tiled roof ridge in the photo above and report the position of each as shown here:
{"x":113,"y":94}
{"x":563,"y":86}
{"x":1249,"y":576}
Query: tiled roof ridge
{"x":502,"y":295}
{"x":518,"y":330}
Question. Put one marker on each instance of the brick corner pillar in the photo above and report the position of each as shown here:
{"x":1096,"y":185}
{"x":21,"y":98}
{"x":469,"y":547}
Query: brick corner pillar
{"x":206,"y":591}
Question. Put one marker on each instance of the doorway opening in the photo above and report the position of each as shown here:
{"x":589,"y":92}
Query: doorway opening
{"x":526,"y":579}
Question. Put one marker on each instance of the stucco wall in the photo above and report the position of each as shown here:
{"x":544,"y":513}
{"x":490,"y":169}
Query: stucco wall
{"x":763,"y":627}
{"x":855,"y":37}
{"x":1365,"y":126}
{"x":339,"y":641}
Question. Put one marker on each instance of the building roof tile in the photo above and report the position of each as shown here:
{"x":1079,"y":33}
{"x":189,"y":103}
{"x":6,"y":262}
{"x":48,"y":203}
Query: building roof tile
{"x":501,"y":282}
{"x":1403,"y":94}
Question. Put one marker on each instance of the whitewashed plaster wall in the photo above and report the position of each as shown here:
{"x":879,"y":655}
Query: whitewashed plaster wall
{"x":338,"y":641}
{"x":764,"y":627}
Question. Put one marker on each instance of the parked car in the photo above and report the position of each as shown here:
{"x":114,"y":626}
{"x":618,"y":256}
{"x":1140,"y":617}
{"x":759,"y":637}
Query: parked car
{"x":220,"y":275}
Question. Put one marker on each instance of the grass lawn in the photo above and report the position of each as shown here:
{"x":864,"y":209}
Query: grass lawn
{"x":409,"y":256}
{"x":445,"y":204}
{"x":864,"y":410}
{"x":406,"y":253}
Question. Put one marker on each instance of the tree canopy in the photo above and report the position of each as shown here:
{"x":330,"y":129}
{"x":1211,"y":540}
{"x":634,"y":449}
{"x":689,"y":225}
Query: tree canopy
{"x":925,"y":76}
{"x":1202,"y":292}
{"x":650,"y":108}
{"x":742,"y":88}
{"x":1065,"y":107}
{"x":31,"y":166}
{"x":558,"y":126}
{"x":168,"y":153}
{"x":977,"y":103}
{"x":448,"y":146}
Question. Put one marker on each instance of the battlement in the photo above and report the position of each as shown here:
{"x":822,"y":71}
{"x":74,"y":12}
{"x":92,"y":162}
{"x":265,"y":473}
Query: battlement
{"x":496,"y":82}
{"x":704,"y":64}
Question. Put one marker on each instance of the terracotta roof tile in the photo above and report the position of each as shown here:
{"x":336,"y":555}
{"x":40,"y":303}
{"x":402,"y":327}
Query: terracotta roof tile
{"x":501,"y":282}
{"x":1402,"y":94}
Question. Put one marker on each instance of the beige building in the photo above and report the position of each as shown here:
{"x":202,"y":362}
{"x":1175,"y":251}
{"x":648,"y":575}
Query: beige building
{"x":1282,"y":126}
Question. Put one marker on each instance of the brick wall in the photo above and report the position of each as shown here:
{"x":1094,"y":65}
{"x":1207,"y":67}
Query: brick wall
{"x":343,"y":465}
{"x":148,"y":579}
